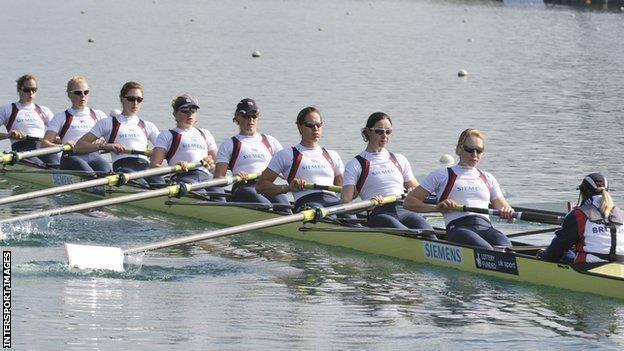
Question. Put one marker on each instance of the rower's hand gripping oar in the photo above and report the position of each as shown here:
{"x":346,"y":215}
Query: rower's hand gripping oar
{"x":25,"y":137}
{"x":11,"y":158}
{"x":112,"y":258}
{"x":171,"y":191}
{"x":118,"y":179}
{"x":525,"y":216}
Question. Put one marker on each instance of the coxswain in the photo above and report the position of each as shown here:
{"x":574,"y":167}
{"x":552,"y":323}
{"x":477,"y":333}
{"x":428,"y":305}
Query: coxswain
{"x":185,"y":144}
{"x":377,"y":172}
{"x":593,"y":228}
{"x":464,"y":184}
{"x":26,"y":121}
{"x":70,"y":125}
{"x":305,"y":163}
{"x":247,"y":152}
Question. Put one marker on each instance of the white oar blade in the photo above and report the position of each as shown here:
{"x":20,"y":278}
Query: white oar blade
{"x":94,"y":257}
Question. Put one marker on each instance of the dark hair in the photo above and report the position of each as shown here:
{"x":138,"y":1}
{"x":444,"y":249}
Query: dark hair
{"x":306,"y":111}
{"x":23,"y":79}
{"x":372,"y":119}
{"x":129,"y":86}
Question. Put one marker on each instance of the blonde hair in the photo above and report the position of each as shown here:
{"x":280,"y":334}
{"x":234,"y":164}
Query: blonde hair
{"x":23,"y":79}
{"x":606,"y":204}
{"x":75,"y":81}
{"x":470,"y":132}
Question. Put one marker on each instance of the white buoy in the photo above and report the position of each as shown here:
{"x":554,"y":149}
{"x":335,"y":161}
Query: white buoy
{"x":114,"y":113}
{"x":256,"y":54}
{"x":447,"y":160}
{"x":462,"y":73}
{"x":90,"y":40}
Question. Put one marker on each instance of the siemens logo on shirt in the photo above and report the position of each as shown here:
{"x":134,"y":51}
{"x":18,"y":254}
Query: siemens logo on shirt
{"x":383,"y":171}
{"x":129,"y":135}
{"x":469,"y":188}
{"x":193,"y":146}
{"x":255,"y":156}
{"x":316,"y":166}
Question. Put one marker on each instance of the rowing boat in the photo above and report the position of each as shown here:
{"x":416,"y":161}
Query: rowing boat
{"x":517,"y":265}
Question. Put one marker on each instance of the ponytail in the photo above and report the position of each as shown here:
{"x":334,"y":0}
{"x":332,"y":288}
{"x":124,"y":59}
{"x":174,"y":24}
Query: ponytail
{"x":606,"y":204}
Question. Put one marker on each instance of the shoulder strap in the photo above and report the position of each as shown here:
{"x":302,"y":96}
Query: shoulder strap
{"x":68,"y":121}
{"x":365,"y":164}
{"x":14,"y":111}
{"x":297,"y":156}
{"x":93,"y":115}
{"x":266,"y":143}
{"x":396,"y":162}
{"x":483,"y":178}
{"x":449,"y":184}
{"x":236,"y":147}
{"x":175,"y":143}
{"x":114,"y":130}
{"x":329,"y":159}
{"x":40,"y":113}
{"x":142,"y":126}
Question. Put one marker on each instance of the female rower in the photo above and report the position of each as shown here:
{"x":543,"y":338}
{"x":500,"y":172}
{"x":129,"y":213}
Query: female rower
{"x":186,"y":143}
{"x":464,"y":184}
{"x":26,"y":121}
{"x":594,"y":227}
{"x":305,"y":163}
{"x":376,"y":173}
{"x":71,"y":124}
{"x":247,"y":152}
{"x":124,"y":132}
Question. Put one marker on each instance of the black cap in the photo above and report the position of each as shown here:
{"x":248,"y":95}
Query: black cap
{"x":184,"y":101}
{"x":247,"y":106}
{"x":594,"y":183}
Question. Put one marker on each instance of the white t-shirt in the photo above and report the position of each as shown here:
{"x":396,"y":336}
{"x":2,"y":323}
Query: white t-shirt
{"x":193,"y":146}
{"x":81,"y":124}
{"x":384,"y":177}
{"x":314,"y":167}
{"x":254,"y":155}
{"x":130,"y":134}
{"x":469,"y":189}
{"x":27,"y":120}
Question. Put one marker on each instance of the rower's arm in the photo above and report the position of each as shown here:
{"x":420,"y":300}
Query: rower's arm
{"x":338,"y":180}
{"x":347,"y":194}
{"x":157,"y":158}
{"x":415,"y":201}
{"x":410,"y":185}
{"x":220,"y":170}
{"x":85,"y":144}
{"x":565,"y":238}
{"x":265,"y":185}
{"x":502,"y":205}
{"x":49,"y":139}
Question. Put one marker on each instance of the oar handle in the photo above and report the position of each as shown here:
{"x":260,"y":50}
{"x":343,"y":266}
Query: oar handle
{"x":525,"y":216}
{"x":333,"y":188}
{"x":10,"y":158}
{"x":138,"y":152}
{"x":25,"y":137}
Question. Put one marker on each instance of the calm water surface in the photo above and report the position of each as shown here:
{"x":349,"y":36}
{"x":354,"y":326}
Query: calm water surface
{"x":544,"y":84}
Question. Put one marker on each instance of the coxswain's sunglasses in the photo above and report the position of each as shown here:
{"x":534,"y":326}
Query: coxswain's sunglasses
{"x":381,"y":131}
{"x":312,"y":124}
{"x":80,"y":92}
{"x":249,"y":114}
{"x":188,"y":111}
{"x":470,"y":150}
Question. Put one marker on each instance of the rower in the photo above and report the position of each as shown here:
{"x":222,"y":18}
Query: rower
{"x":70,"y":125}
{"x":377,"y":172}
{"x":467,"y":185}
{"x":305,"y":163}
{"x":594,"y":227}
{"x":186,"y":143}
{"x":126,"y":131}
{"x":247,"y":152}
{"x":26,"y":121}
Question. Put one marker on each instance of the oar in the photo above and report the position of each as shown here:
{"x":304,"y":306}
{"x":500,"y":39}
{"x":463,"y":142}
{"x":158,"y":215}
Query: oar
{"x":25,"y":137}
{"x":525,"y":216}
{"x":172,"y":190}
{"x":118,"y":179}
{"x":131,"y":152}
{"x":112,"y":258}
{"x":334,"y":188}
{"x":10,"y":158}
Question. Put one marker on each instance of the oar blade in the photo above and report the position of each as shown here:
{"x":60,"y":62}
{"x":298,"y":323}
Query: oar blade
{"x":94,"y":257}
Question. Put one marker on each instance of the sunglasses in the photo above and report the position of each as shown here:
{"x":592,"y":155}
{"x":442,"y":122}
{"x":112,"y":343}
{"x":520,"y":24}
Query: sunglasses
{"x":470,"y":150}
{"x":249,"y":114}
{"x":134,"y":98}
{"x":80,"y":92}
{"x":29,"y":90}
{"x":381,"y":131}
{"x":313,"y":124}
{"x":188,"y":111}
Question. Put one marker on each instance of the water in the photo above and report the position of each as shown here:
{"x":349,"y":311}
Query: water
{"x":543,"y":85}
